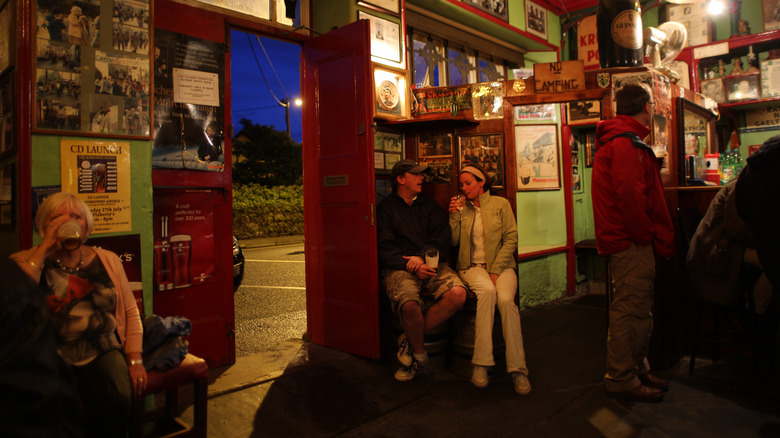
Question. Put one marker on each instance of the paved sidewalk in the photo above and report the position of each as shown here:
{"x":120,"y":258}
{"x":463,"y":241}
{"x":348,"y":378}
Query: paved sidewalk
{"x":262,"y":242}
{"x":304,"y":390}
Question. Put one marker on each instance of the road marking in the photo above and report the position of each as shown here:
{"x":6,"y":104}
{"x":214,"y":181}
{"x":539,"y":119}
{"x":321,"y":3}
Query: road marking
{"x":275,"y":261}
{"x":275,"y":287}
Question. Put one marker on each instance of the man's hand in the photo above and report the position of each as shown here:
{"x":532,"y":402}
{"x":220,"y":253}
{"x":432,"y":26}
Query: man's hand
{"x":416,"y":266}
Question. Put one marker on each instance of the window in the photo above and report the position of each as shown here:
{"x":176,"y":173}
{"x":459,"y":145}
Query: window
{"x":461,"y":64}
{"x":428,"y":58}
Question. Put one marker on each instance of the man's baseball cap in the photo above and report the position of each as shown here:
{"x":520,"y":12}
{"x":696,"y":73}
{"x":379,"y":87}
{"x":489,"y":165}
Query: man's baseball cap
{"x":404,"y":166}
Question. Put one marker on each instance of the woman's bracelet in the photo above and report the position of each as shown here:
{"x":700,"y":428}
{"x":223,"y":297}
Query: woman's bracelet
{"x":34,"y":265}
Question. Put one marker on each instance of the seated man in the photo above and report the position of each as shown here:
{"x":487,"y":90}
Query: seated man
{"x":409,"y":223}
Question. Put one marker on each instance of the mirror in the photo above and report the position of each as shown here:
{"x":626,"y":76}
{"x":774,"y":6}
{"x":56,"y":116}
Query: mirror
{"x":696,"y":136}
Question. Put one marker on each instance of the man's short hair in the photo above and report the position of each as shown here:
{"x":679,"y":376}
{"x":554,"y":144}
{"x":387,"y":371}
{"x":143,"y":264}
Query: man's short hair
{"x":631,"y":99}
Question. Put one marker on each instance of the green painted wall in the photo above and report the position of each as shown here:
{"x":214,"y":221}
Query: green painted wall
{"x":541,"y":280}
{"x":46,"y":172}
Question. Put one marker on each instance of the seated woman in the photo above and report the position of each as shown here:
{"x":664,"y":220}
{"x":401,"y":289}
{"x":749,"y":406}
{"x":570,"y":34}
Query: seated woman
{"x":93,"y":312}
{"x":486,"y":231}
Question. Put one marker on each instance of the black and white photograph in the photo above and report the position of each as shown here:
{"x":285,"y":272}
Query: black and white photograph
{"x":743,"y":87}
{"x":584,"y":111}
{"x":713,"y":88}
{"x":434,"y":145}
{"x":536,"y":19}
{"x":497,"y":8}
{"x":440,"y":171}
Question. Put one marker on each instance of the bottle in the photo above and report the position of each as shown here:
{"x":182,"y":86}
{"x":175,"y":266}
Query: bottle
{"x":619,"y":27}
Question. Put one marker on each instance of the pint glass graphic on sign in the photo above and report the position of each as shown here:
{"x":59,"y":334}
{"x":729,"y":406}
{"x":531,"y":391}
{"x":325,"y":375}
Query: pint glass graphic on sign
{"x":99,"y":178}
{"x":181,"y":249}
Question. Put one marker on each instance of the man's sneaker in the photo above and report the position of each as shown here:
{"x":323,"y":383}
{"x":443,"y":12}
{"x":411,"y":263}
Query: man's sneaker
{"x":522,"y":385}
{"x":480,"y":377}
{"x":405,"y":374}
{"x":404,"y":353}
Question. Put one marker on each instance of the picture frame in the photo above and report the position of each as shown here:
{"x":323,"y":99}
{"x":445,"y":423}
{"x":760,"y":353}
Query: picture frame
{"x":590,"y":148}
{"x":434,"y":145}
{"x":388,"y":150}
{"x":535,"y":19}
{"x":487,"y":100}
{"x":7,"y":137}
{"x":770,"y":78}
{"x":440,"y":170}
{"x":495,"y":8}
{"x":535,"y":114}
{"x":695,"y":18}
{"x":771,"y":18}
{"x":742,"y":87}
{"x":391,"y":93}
{"x":7,"y":190}
{"x":7,"y":35}
{"x":393,"y":6}
{"x":538,"y":157}
{"x":386,"y":41}
{"x":487,"y":151}
{"x":713,"y":88}
{"x":583,"y":112}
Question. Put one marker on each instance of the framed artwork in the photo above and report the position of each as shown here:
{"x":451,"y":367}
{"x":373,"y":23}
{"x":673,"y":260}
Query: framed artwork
{"x":385,"y":38}
{"x":576,"y":181}
{"x":486,"y":150}
{"x":440,"y":170}
{"x":771,"y":15}
{"x":487,"y":100}
{"x":7,"y":45}
{"x":434,"y":145}
{"x":535,"y":19}
{"x":743,"y":87}
{"x":713,"y":88}
{"x":496,"y":8}
{"x":391,"y":94}
{"x":583,"y":112}
{"x":770,"y":78}
{"x":388,"y":150}
{"x":7,"y":115}
{"x":540,"y":113}
{"x":393,"y":6}
{"x":695,"y":18}
{"x":7,"y":196}
{"x":538,"y":160}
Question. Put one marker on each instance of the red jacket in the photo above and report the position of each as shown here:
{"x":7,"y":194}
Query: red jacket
{"x":628,"y":198}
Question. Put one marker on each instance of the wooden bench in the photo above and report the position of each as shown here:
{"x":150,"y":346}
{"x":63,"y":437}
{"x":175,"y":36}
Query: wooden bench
{"x":192,"y":370}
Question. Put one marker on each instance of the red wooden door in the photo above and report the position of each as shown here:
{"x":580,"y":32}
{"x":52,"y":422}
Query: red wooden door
{"x":339,"y":193}
{"x":197,"y":204}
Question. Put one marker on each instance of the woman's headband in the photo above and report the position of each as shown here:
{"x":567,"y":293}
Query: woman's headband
{"x":474,"y":171}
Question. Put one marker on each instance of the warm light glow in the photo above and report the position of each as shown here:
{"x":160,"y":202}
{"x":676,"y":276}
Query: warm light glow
{"x":716,"y":7}
{"x":298,"y":102}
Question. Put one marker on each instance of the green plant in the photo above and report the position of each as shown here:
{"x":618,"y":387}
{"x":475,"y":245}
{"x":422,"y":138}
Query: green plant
{"x":260,"y":211}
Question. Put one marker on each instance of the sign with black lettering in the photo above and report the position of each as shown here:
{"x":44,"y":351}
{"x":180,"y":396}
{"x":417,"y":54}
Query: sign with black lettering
{"x":763,"y":119}
{"x":557,"y":77}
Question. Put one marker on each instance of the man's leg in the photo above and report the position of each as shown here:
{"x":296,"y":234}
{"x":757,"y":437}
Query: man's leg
{"x":445,"y":307}
{"x":413,"y":324}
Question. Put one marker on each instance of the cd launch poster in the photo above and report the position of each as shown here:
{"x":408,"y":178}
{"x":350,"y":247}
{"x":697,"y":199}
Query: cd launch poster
{"x":99,"y":173}
{"x":189,"y":77}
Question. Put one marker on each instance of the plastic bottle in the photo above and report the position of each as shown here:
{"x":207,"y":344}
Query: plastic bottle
{"x":619,"y":28}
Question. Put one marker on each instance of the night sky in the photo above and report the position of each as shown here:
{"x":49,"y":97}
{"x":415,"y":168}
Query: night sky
{"x":252,"y":98}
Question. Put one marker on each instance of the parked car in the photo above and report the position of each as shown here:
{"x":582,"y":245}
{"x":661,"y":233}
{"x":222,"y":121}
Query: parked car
{"x":238,"y":264}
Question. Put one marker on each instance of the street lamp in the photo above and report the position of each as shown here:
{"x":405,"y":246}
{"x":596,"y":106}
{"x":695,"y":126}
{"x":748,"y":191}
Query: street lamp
{"x":286,"y":104}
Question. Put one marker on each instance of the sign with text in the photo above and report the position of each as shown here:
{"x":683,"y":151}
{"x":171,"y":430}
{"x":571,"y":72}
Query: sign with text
{"x":763,"y":119}
{"x":587,"y":43}
{"x":441,"y":100}
{"x":557,"y":77}
{"x":99,"y":173}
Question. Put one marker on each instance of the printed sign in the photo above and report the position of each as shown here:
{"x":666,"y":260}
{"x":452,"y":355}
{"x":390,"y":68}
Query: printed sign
{"x":557,"y":77}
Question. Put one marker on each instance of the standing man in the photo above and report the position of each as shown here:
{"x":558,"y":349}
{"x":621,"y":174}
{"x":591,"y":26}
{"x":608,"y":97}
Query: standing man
{"x":408,"y":224}
{"x":631,"y":222}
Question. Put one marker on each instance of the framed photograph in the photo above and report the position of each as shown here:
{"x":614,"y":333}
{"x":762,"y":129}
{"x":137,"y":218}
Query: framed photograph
{"x":743,"y":87}
{"x":496,"y":8}
{"x":393,"y":6}
{"x":695,"y":18}
{"x":7,"y":45}
{"x":486,"y":150}
{"x":7,"y":115}
{"x":540,"y":113}
{"x":583,"y":112}
{"x":388,"y":150}
{"x":7,"y":196}
{"x":391,"y":94}
{"x":538,"y":161}
{"x":535,"y":19}
{"x":385,"y":38}
{"x":487,"y":100}
{"x":771,"y":15}
{"x":713,"y":88}
{"x":440,"y":170}
{"x":434,"y":145}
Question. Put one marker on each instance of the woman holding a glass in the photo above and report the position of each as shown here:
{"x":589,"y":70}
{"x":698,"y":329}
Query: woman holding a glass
{"x":486,"y":231}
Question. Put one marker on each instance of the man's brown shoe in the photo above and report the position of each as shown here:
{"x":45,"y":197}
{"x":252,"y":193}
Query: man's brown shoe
{"x":640,"y":393}
{"x":652,"y":381}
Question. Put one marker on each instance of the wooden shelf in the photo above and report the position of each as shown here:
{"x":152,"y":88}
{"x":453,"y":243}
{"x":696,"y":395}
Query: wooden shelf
{"x":432,"y":123}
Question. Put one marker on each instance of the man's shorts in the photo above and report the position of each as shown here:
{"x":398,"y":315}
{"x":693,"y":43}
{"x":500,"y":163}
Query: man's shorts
{"x":402,"y":286}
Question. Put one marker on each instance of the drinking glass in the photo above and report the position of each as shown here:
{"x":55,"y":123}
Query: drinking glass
{"x":461,"y":200}
{"x":432,"y":258}
{"x":70,"y":235}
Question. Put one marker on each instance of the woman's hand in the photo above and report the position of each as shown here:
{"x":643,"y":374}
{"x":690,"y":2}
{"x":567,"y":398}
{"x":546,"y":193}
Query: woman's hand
{"x":50,"y":239}
{"x":138,"y":378}
{"x":454,"y":205}
{"x":494,"y":278}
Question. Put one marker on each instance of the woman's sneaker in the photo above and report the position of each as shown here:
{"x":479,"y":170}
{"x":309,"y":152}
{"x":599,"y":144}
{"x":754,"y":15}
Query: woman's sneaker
{"x":522,"y":385}
{"x":405,"y":374}
{"x":479,"y":377}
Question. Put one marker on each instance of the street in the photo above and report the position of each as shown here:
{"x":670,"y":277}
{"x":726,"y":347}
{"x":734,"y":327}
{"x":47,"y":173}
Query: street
{"x":270,"y":304}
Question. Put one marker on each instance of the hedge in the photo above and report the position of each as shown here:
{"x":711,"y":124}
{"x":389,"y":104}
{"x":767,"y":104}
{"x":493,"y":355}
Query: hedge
{"x":260,"y":211}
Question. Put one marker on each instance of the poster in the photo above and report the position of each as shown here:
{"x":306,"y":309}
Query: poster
{"x":183,"y":239}
{"x":189,"y":118}
{"x":536,"y":149}
{"x":98,"y":172}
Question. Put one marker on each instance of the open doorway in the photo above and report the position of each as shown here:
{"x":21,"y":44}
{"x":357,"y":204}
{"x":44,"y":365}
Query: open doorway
{"x":270,"y":303}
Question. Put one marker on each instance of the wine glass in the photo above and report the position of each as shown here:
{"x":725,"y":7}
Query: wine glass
{"x":461,"y":200}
